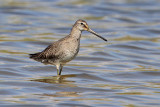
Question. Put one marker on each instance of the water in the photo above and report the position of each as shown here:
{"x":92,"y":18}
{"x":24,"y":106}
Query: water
{"x":124,"y":72}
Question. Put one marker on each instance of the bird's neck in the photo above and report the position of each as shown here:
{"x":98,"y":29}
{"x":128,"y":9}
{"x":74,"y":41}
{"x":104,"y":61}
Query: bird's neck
{"x":76,"y":33}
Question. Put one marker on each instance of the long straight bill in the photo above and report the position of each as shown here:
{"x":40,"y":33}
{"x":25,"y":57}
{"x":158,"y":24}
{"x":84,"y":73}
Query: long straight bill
{"x":91,"y":31}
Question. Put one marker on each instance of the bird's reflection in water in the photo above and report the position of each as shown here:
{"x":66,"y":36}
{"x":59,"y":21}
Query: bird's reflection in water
{"x":63,"y":94}
{"x":56,"y":79}
{"x":60,"y":81}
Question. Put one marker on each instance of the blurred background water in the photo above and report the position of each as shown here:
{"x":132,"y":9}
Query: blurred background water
{"x":125,"y":72}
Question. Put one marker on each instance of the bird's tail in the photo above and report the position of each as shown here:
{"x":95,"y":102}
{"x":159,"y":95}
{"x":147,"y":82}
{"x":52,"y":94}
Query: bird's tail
{"x":34,"y":56}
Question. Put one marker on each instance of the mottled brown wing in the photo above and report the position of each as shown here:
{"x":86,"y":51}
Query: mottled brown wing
{"x":51,"y":52}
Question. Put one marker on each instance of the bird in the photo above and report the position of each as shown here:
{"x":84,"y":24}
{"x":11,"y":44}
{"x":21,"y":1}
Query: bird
{"x":65,"y":49}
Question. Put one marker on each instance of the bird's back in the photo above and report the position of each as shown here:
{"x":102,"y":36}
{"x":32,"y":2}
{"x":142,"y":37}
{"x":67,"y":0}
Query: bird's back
{"x":63,"y":50}
{"x":50,"y":53}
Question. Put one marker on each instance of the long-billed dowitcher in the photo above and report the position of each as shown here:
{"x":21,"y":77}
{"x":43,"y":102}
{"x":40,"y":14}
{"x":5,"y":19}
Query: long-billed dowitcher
{"x":65,"y":49}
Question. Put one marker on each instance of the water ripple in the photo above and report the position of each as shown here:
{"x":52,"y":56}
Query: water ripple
{"x":124,"y":71}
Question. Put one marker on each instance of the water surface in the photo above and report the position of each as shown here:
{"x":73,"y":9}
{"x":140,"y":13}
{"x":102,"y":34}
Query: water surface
{"x":124,"y":72}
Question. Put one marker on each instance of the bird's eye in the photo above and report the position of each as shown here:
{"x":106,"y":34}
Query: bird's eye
{"x":82,"y":24}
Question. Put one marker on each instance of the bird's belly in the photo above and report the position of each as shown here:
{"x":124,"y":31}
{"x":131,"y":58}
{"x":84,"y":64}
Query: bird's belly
{"x":68,"y":56}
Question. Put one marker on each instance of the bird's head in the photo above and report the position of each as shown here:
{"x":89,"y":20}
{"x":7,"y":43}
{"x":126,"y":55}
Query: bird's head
{"x":83,"y":26}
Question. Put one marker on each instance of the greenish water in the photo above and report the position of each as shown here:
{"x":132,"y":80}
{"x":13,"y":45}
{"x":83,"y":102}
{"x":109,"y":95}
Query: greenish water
{"x":124,"y":72}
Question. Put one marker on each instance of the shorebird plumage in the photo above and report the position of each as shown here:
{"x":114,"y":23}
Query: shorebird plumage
{"x":65,"y":49}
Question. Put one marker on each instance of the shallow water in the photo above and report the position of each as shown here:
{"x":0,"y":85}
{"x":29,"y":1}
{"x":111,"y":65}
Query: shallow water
{"x":124,"y":72}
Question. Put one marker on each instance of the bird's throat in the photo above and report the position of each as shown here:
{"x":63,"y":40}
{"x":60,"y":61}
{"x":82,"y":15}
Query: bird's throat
{"x":76,"y":33}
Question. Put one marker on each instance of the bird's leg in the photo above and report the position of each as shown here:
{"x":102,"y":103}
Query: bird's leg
{"x":58,"y":68}
{"x":61,"y":67}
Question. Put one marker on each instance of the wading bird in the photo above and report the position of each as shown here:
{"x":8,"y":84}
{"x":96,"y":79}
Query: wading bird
{"x":65,"y":49}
